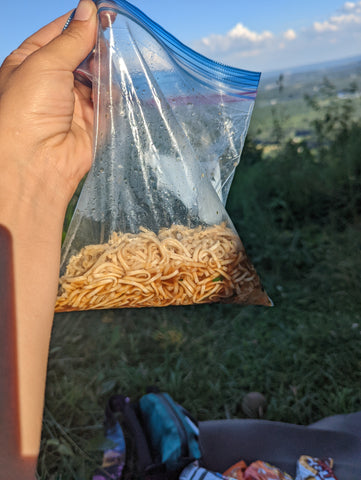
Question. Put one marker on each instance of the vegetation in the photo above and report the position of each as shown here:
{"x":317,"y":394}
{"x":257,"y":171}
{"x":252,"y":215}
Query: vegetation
{"x":297,"y":208}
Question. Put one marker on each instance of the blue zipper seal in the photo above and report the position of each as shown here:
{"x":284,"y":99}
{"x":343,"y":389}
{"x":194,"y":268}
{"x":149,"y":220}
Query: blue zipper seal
{"x":70,"y":18}
{"x":245,"y":81}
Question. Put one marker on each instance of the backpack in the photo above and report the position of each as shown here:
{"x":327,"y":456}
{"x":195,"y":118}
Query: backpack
{"x":165,"y":436}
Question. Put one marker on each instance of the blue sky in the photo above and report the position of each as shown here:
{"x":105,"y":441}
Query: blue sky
{"x":259,"y":35}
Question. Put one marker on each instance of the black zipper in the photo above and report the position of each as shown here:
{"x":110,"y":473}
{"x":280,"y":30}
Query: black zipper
{"x":180,"y":427}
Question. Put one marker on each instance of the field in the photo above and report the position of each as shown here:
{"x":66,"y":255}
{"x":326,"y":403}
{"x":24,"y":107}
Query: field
{"x":296,"y":203}
{"x":281,"y":99}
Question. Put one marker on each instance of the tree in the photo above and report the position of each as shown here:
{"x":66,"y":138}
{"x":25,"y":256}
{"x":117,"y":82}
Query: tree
{"x":335,"y":117}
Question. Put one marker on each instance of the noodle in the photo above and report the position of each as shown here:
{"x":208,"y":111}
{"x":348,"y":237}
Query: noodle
{"x":179,"y":266}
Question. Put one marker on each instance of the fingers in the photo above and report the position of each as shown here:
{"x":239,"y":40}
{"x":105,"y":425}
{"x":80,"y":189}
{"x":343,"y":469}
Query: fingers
{"x":46,"y":33}
{"x":66,"y":51}
{"x":107,"y":18}
{"x":59,"y":50}
{"x":33,"y":43}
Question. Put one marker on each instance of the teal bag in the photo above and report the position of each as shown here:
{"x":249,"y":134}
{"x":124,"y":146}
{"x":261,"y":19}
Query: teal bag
{"x":161,"y":434}
{"x":172,"y":434}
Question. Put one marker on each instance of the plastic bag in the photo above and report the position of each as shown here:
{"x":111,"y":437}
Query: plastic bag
{"x":150,"y":227}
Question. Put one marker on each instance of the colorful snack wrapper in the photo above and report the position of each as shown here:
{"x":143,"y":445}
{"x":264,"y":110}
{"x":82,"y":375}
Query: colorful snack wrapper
{"x":236,"y":471}
{"x":113,"y":456}
{"x":310,"y":468}
{"x":264,"y":471}
{"x":193,"y":472}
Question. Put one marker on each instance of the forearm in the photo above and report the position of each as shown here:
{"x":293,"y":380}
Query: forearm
{"x":35,"y":225}
{"x":12,"y":464}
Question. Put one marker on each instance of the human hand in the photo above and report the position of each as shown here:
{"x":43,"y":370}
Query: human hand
{"x":45,"y":116}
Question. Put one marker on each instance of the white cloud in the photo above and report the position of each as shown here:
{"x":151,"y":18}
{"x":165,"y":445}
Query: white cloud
{"x":325,"y":26}
{"x":334,"y":37}
{"x":239,"y":37}
{"x":290,"y":34}
{"x":351,"y":5}
{"x":348,"y":17}
{"x":341,"y":21}
{"x":240,"y":31}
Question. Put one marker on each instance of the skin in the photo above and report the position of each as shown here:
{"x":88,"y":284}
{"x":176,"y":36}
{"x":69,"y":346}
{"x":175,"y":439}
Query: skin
{"x":46,"y":127}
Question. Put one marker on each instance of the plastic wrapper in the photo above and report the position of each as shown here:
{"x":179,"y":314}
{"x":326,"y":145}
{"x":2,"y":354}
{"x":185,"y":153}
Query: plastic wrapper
{"x":312,"y":468}
{"x":114,"y":455}
{"x":264,"y":471}
{"x":193,"y":472}
{"x":150,"y":227}
{"x":236,"y":471}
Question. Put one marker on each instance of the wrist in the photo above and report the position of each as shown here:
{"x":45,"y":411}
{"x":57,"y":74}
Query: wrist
{"x":29,"y":204}
{"x":31,"y":220}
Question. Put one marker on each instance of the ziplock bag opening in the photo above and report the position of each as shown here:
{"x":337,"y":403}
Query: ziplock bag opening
{"x":150,"y":227}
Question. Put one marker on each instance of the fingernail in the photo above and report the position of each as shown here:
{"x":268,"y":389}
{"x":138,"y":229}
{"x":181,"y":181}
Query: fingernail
{"x":83,"y":11}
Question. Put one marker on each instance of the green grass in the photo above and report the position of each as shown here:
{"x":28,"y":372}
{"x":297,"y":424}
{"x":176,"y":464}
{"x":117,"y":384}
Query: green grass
{"x":303,"y":354}
{"x":299,"y":216}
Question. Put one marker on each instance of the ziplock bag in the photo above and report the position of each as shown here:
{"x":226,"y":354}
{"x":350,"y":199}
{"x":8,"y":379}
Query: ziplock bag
{"x":150,"y":227}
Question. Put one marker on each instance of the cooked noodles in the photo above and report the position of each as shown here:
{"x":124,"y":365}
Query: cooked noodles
{"x":177,"y":266}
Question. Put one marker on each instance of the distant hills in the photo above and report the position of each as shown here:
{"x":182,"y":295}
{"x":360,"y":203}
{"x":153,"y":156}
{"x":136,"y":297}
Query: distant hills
{"x":300,"y":80}
{"x":280,"y":104}
{"x":348,"y":62}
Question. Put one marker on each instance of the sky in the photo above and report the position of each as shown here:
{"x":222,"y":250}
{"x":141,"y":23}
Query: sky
{"x":260,"y":35}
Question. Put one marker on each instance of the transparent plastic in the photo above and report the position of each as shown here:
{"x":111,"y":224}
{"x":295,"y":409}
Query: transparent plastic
{"x":150,"y":227}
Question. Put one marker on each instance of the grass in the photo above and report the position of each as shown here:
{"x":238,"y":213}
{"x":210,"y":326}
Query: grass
{"x":299,"y":217}
{"x":303,"y":355}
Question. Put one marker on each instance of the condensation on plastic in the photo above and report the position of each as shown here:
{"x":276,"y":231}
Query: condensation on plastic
{"x":169,"y":129}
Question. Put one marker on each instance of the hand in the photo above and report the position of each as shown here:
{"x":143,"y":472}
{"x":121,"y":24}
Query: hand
{"x":45,"y":117}
{"x":45,"y":149}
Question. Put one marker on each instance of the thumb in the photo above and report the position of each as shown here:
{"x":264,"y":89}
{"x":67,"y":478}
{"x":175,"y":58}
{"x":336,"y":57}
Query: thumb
{"x":69,"y":49}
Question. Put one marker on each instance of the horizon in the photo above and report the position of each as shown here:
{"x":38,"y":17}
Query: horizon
{"x":282,"y":37}
{"x":314,"y":67}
